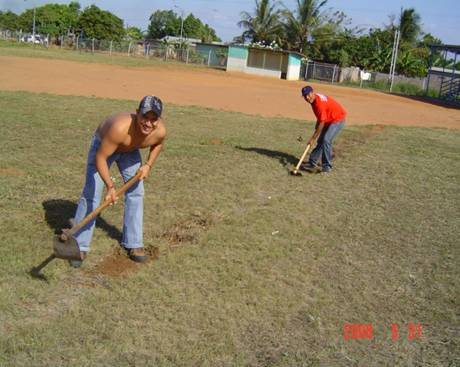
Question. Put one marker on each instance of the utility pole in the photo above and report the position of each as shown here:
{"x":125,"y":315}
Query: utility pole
{"x":392,"y":55}
{"x":181,"y":22}
{"x":33,"y":28}
{"x":395,"y":59}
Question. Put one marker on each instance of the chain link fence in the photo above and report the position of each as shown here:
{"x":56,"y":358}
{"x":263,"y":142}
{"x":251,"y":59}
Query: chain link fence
{"x":186,"y":53}
{"x":320,"y":71}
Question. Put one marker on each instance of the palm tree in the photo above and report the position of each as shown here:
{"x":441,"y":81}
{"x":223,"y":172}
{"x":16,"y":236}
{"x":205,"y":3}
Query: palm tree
{"x":300,"y":24}
{"x":265,"y":25}
{"x":409,"y":25}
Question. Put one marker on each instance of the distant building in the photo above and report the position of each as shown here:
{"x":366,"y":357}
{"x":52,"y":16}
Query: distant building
{"x":445,"y":80}
{"x":264,"y":61}
{"x":178,"y":40}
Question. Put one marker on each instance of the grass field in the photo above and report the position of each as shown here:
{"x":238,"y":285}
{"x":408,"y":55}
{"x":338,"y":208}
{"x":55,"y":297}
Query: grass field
{"x":9,"y":48}
{"x":255,"y":267}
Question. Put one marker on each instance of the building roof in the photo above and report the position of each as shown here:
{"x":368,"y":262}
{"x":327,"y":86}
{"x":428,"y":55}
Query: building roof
{"x":450,"y":48}
{"x":178,"y":39}
{"x":271,"y":50}
{"x":441,"y":70}
{"x":217,"y":44}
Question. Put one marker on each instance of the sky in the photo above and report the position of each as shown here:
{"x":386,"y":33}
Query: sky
{"x":441,"y":18}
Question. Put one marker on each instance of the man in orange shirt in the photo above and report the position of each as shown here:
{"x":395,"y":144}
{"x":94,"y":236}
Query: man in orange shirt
{"x":330,"y":119}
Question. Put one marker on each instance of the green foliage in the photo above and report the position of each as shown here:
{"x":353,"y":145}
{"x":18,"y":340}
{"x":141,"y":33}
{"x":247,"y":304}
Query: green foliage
{"x":133,"y":33}
{"x":411,"y":65}
{"x":52,"y":19}
{"x":427,"y":40}
{"x":301,"y":23}
{"x":322,"y":35}
{"x":329,"y":40}
{"x":168,"y":23}
{"x":194,"y":28}
{"x":163,"y":23}
{"x":265,"y":25}
{"x":100,"y":24}
{"x":9,"y":20}
{"x":409,"y":25}
{"x":55,"y":19}
{"x":208,"y":34}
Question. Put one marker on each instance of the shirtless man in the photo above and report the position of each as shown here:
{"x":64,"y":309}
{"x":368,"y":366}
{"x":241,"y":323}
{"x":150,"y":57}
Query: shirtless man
{"x":118,"y":139}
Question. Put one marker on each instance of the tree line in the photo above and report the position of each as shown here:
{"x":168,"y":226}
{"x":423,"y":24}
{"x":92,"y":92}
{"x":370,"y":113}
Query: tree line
{"x":93,"y":22}
{"x":323,"y":34}
{"x":320,"y":33}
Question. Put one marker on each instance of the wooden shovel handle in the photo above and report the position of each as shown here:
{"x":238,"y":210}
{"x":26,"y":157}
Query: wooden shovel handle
{"x":303,"y":157}
{"x":104,"y":205}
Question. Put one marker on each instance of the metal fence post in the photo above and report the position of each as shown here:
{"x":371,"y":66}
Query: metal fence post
{"x":111,"y":43}
{"x":333,"y":74}
{"x":129,"y":48}
{"x":76,"y":44}
{"x":186,"y":61}
{"x":92,"y":46}
{"x":209,"y":57}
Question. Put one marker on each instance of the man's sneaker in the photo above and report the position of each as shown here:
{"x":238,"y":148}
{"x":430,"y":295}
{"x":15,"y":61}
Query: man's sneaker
{"x":307,"y":166}
{"x":77,"y":263}
{"x":326,"y":170}
{"x":137,"y":254}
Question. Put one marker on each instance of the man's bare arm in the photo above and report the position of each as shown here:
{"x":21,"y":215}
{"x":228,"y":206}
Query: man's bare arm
{"x":153,"y":154}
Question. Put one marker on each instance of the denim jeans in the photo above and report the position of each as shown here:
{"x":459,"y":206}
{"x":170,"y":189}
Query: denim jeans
{"x":323,"y":147}
{"x":128,"y":164}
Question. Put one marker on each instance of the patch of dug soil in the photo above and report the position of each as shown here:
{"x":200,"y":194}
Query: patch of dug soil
{"x":118,"y":264}
{"x":186,"y":231}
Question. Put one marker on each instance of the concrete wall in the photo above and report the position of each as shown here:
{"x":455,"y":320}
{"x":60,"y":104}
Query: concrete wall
{"x":263,"y":72}
{"x":238,"y":61}
{"x":237,"y":57}
{"x":293,"y":71}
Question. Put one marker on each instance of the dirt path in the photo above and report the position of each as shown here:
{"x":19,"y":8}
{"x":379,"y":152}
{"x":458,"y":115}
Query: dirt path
{"x":215,"y":89}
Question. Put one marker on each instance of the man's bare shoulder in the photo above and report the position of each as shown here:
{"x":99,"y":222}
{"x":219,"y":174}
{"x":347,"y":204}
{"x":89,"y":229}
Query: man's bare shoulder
{"x":116,"y":126}
{"x":161,"y":130}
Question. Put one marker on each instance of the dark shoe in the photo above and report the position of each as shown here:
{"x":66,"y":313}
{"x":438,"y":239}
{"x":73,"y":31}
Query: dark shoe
{"x":137,"y":254}
{"x":326,"y":170}
{"x":307,"y":166}
{"x":77,"y":263}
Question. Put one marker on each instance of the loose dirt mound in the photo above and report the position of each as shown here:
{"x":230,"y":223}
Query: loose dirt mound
{"x":118,"y":264}
{"x":216,"y":89}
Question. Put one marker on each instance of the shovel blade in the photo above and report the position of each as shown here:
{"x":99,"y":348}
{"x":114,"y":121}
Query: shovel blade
{"x":68,"y":250}
{"x":295,"y":173}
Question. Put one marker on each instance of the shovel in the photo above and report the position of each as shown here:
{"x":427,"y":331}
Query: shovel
{"x":65,"y":245}
{"x":296,"y":171}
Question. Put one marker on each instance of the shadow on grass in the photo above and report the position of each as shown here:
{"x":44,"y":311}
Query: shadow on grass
{"x":59,"y":211}
{"x":284,"y":158}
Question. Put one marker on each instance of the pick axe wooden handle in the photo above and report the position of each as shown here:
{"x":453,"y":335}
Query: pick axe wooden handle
{"x":101,"y":207}
{"x":302,"y":158}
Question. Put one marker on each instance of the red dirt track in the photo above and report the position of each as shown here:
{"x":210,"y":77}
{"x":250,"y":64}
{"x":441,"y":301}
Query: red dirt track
{"x":215,"y":89}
